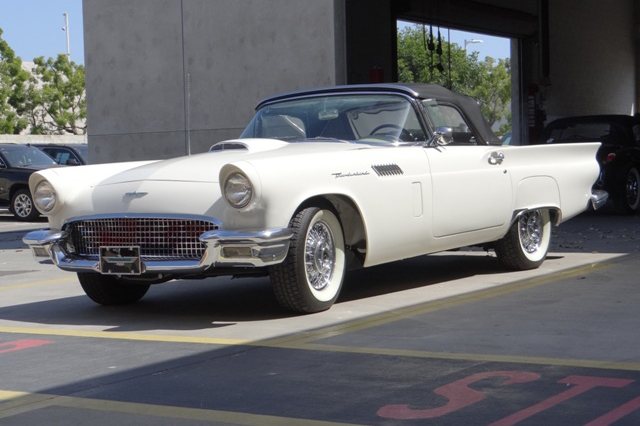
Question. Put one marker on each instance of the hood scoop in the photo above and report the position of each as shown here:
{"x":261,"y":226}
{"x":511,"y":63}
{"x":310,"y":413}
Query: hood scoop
{"x":226,"y":146}
{"x":250,"y":145}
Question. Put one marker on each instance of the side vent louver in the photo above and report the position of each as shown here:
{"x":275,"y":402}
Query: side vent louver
{"x":387,"y":170}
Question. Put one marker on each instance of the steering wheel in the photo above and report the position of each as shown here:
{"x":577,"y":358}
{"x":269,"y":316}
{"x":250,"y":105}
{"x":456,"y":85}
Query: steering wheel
{"x":405,"y":135}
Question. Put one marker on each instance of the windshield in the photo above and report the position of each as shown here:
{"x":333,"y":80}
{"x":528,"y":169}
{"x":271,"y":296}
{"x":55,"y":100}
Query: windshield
{"x":353,"y":117}
{"x":24,"y":156}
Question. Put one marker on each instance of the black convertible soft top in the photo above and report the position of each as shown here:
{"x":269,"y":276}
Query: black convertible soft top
{"x":467,"y":104}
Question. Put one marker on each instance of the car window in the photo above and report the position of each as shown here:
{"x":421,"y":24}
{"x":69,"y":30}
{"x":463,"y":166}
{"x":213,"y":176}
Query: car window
{"x":443,"y":115}
{"x":23,"y":156}
{"x":60,"y":155}
{"x":364,"y":117}
{"x":606,"y":132}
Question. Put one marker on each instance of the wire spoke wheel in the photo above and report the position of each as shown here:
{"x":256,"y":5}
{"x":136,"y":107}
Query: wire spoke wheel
{"x":530,"y":228}
{"x":319,"y":255}
{"x":310,"y":278}
{"x":527,"y":243}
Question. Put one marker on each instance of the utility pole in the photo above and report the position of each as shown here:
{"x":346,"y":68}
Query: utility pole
{"x":66,"y":30}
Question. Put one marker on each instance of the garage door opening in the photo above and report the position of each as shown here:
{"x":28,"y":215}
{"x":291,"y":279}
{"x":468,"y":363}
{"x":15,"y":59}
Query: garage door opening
{"x":478,"y":65}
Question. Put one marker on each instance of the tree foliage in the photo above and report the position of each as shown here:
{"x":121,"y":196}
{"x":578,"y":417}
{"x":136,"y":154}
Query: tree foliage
{"x":59,"y":105}
{"x":49,"y":99}
{"x":425,"y":57}
{"x":13,"y":81}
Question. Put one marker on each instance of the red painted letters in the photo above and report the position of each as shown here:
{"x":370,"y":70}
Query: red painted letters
{"x":459,"y":395}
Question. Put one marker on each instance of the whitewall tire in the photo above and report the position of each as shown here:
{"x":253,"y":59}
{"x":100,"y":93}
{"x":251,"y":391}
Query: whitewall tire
{"x":310,"y":278}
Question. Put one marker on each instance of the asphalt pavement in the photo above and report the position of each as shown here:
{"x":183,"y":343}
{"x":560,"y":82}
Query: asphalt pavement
{"x":445,"y":339}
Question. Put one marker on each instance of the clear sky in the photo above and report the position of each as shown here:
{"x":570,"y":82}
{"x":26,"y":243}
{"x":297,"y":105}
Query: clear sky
{"x":496,"y":47}
{"x":33,"y":28}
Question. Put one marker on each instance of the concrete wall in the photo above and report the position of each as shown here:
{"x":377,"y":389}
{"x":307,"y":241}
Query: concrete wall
{"x":592,"y":58}
{"x":165,"y":77}
{"x":168,"y":77}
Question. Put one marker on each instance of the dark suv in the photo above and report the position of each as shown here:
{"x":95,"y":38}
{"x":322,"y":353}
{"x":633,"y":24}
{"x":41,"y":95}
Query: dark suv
{"x":619,"y":155}
{"x":66,"y":154}
{"x":17,"y":162}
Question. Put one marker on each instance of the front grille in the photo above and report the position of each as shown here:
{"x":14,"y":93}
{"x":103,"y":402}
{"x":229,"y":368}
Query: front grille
{"x":158,"y":238}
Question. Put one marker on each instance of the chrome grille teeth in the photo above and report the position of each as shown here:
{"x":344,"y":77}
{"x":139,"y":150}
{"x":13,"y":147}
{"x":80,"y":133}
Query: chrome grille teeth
{"x":158,"y":238}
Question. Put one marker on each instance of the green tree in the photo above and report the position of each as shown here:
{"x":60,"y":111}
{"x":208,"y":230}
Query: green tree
{"x":13,"y":93}
{"x":425,"y":57}
{"x":56,"y":97}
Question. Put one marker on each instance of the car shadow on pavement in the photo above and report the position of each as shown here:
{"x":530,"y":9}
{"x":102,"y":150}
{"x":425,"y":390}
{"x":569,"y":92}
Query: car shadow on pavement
{"x":223,"y":301}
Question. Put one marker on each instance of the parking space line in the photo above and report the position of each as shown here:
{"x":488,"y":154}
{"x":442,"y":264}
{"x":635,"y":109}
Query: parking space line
{"x":423,"y":308}
{"x":124,"y":336}
{"x":24,"y":402}
{"x":561,"y":362}
{"x":14,"y":286}
{"x":305,"y":340}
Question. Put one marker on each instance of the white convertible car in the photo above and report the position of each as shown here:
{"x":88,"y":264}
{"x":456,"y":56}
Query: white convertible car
{"x":320,"y":181}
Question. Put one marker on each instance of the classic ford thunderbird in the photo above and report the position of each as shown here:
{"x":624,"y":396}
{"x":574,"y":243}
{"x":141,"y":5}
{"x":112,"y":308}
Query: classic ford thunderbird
{"x":319,"y":181}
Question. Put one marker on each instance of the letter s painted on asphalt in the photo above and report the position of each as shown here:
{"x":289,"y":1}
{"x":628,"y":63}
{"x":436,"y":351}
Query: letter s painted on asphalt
{"x":459,"y":395}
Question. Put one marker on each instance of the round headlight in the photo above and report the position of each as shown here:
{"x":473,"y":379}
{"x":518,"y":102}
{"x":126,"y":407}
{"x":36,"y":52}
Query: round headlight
{"x":44,"y":196}
{"x":238,"y":190}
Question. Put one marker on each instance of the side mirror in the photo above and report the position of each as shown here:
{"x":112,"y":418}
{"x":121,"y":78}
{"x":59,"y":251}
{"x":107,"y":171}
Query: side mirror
{"x":72,"y":162}
{"x":441,"y":136}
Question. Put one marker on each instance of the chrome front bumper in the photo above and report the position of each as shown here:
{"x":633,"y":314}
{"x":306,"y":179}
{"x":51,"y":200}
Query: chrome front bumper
{"x":223,"y":249}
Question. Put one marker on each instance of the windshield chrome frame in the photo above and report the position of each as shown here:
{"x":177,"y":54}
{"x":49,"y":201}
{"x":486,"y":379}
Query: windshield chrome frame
{"x":413,"y":101}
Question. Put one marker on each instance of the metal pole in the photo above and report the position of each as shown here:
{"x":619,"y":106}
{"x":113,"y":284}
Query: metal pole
{"x":66,"y":30}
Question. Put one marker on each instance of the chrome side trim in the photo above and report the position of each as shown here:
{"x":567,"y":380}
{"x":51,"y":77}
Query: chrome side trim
{"x":554,"y":212}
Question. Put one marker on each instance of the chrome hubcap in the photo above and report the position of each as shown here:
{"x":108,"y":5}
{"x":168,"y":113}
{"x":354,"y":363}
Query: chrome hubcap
{"x":319,"y":255}
{"x":530,"y":231}
{"x":22,"y":205}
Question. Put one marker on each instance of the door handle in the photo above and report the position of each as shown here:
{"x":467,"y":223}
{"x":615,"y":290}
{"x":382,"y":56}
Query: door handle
{"x":496,"y":158}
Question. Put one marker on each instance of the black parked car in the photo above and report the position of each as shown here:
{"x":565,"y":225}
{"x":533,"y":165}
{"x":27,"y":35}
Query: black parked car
{"x":619,"y":155}
{"x":66,"y":154}
{"x":17,"y":162}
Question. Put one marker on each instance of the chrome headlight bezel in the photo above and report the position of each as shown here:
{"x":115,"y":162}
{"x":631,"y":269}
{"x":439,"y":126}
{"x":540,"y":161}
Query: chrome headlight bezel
{"x":45,"y":197}
{"x":238,"y":190}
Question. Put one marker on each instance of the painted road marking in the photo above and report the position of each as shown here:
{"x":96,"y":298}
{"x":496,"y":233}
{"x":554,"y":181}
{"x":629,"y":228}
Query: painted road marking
{"x":14,"y":403}
{"x":304,"y":340}
{"x":460,"y":396}
{"x":125,"y":336}
{"x":18,"y":345}
{"x":14,"y":286}
{"x":422,"y":308}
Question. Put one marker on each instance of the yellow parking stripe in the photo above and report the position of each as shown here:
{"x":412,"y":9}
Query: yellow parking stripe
{"x":607,"y":365}
{"x":411,"y":311}
{"x":22,"y":403}
{"x":305,"y":340}
{"x":123,"y":336}
{"x":60,"y":280}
